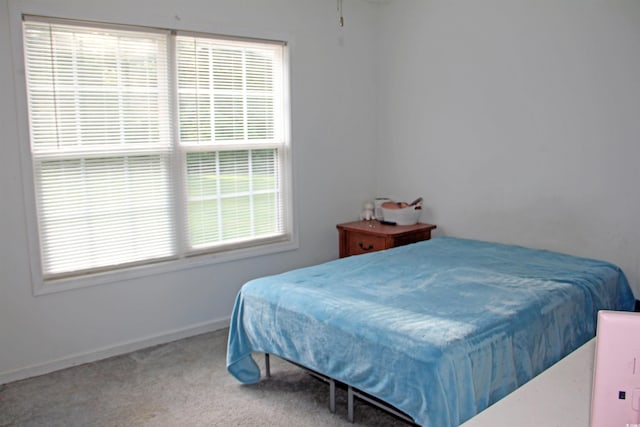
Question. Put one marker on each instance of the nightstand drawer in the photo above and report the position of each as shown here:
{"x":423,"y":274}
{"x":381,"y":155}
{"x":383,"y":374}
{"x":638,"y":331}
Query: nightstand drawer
{"x":360,"y":243}
{"x":362,"y":237}
{"x":412,"y":238}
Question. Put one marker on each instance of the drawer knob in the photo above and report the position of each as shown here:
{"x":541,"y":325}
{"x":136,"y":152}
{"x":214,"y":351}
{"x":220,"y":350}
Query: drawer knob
{"x":368,"y":248}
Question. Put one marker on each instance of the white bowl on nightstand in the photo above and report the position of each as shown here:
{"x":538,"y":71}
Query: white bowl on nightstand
{"x":404,"y":216}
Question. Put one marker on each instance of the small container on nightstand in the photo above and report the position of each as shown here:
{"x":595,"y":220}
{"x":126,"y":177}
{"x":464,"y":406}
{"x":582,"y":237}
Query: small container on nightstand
{"x":360,"y":237}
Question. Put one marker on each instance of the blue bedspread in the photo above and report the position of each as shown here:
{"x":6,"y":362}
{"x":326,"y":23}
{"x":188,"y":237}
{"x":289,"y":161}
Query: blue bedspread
{"x":439,"y":329}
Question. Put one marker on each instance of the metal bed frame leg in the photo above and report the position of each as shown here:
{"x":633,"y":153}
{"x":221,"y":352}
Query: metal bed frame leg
{"x":351,"y":394}
{"x":331,"y":381}
{"x":332,"y":396}
{"x":350,"y":404}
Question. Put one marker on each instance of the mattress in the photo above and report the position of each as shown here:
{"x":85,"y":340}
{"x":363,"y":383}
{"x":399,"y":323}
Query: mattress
{"x":439,"y":329}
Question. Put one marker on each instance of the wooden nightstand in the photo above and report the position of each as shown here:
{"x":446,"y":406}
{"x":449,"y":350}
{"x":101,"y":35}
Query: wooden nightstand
{"x":361,"y":237}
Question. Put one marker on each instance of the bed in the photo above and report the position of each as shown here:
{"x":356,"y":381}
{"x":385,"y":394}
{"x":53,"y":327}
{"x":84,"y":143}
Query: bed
{"x":439,"y":329}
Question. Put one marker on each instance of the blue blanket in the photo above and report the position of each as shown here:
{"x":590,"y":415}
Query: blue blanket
{"x":439,"y":329}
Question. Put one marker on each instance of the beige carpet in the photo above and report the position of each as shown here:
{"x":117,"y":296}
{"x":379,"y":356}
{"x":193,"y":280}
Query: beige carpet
{"x":183,"y":383}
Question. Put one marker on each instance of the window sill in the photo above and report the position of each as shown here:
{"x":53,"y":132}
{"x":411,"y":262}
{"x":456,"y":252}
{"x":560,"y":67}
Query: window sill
{"x":140,"y":271}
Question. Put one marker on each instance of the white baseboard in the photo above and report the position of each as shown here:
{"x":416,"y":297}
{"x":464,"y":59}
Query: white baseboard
{"x":115,"y":350}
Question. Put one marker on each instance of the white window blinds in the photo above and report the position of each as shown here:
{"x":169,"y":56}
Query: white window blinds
{"x":231,"y":129}
{"x":107,"y":162}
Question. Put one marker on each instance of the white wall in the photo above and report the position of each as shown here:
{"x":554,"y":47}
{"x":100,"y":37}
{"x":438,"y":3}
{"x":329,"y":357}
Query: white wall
{"x":518,"y":121}
{"x":333,"y":101}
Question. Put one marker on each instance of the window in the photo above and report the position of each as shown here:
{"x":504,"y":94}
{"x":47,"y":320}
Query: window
{"x":151,"y":145}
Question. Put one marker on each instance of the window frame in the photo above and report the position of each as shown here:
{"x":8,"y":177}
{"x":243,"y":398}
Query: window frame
{"x":184,"y":260}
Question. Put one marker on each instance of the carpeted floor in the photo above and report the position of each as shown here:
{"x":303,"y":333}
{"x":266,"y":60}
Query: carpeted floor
{"x":183,"y":383}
